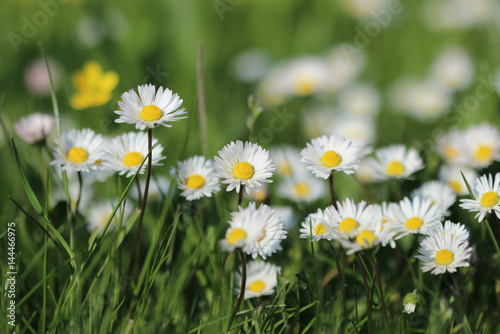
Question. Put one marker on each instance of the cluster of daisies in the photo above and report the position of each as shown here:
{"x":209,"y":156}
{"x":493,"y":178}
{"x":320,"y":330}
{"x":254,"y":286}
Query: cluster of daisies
{"x":258,"y":230}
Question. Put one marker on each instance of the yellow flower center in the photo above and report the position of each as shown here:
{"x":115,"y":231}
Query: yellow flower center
{"x":150,"y":113}
{"x":98,"y":162}
{"x":304,"y":86}
{"x":455,"y":186}
{"x":450,"y":153}
{"x":195,"y":181}
{"x":257,"y":286}
{"x":243,"y":170}
{"x":320,"y":229}
{"x":236,"y":235}
{"x":77,"y":155}
{"x":260,"y":195}
{"x":484,"y":153}
{"x":489,"y":199}
{"x":444,"y":257}
{"x":414,"y":223}
{"x":366,"y":238}
{"x":285,"y":169}
{"x":395,"y":168}
{"x":348,"y":225}
{"x":331,"y":159}
{"x":302,"y":189}
{"x":132,"y":159}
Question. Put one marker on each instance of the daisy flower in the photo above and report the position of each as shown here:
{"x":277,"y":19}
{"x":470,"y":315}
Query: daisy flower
{"x":34,"y":128}
{"x":455,"y":230}
{"x":349,"y":219}
{"x":99,"y":213}
{"x":424,"y":100}
{"x":486,"y":190}
{"x":259,"y":195}
{"x":286,"y":159}
{"x":452,"y":176}
{"x":440,"y":193}
{"x":302,"y":188}
{"x":255,"y":231}
{"x":286,"y":216}
{"x":370,"y":233}
{"x":343,"y":67}
{"x":79,"y":150}
{"x":243,"y":165}
{"x":482,"y":143}
{"x":414,"y":216}
{"x":363,"y":9}
{"x":361,"y":130}
{"x":366,"y":172}
{"x":444,"y":252}
{"x":396,"y":161}
{"x":451,"y":146}
{"x":261,"y":279}
{"x":326,"y":154}
{"x":453,"y":68}
{"x":127,"y":151}
{"x":159,"y":188}
{"x":382,"y":213}
{"x":316,"y":226}
{"x":150,"y":107}
{"x":360,"y":100}
{"x":305,"y":76}
{"x":196,"y":178}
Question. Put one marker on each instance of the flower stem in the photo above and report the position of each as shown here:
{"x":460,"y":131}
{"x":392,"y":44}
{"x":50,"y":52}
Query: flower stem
{"x":367,"y":293}
{"x":492,"y":235}
{"x":342,"y":277}
{"x":74,"y":214}
{"x":240,"y":195}
{"x":332,"y":191}
{"x":242,"y":289}
{"x":380,"y":289}
{"x":137,"y":243}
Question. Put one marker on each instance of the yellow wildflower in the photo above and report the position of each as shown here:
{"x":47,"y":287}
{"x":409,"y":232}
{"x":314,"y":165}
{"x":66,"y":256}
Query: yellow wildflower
{"x":94,"y":87}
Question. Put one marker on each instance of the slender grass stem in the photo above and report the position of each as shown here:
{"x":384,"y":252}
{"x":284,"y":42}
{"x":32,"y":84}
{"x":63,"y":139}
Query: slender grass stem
{"x":367,"y":293}
{"x":381,"y":290}
{"x":332,"y":191}
{"x":201,"y":102}
{"x":243,"y":288}
{"x":462,"y":310}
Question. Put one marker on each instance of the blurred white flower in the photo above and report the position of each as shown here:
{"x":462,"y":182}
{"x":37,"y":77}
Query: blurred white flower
{"x":452,"y":176}
{"x":251,"y":65}
{"x":34,"y":128}
{"x":453,"y":68}
{"x":260,"y":281}
{"x":360,"y":100}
